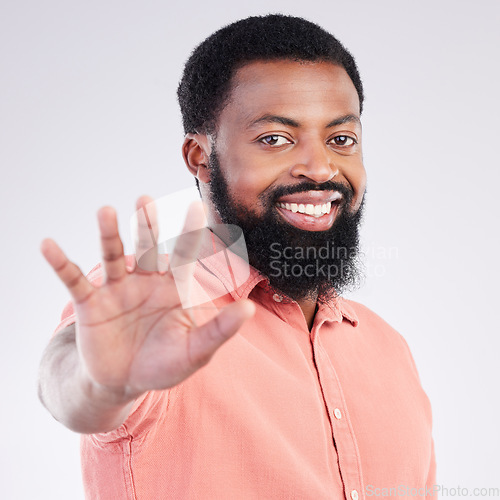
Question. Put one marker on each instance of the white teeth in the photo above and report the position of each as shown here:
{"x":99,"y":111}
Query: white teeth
{"x":309,"y":208}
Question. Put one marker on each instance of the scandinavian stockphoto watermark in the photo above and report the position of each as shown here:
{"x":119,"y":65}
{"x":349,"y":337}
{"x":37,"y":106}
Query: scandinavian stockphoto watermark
{"x":157,"y":229}
{"x":163,"y":243}
{"x":329,"y":261}
{"x":288,"y":261}
{"x":376,"y":258}
{"x":435,"y":490}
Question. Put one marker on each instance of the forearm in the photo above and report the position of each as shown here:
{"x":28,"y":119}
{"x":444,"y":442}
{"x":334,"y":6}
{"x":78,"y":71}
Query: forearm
{"x":70,"y":396}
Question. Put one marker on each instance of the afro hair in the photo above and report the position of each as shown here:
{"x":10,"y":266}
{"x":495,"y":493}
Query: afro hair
{"x":206,"y":82}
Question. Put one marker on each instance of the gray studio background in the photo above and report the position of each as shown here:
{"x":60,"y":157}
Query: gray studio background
{"x":88,"y":116}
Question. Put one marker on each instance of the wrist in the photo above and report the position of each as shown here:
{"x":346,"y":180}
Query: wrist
{"x":101,"y":396}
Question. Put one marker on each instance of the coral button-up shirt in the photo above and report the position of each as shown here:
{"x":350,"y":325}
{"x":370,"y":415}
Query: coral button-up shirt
{"x":280,"y":412}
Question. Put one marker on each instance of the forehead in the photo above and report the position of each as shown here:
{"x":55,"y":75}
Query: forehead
{"x":306,"y":90}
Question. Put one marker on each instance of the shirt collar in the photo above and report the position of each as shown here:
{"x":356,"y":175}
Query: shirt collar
{"x":239,"y":278}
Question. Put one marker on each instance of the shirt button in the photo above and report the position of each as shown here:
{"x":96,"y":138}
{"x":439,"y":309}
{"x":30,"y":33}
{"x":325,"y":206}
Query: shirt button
{"x":338,"y":415}
{"x":354,"y":495}
{"x":277,"y":298}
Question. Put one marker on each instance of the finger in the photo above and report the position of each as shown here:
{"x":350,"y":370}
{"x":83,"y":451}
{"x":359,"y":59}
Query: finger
{"x":186,"y":250}
{"x":147,"y":235}
{"x":188,"y":243}
{"x":68,"y":272}
{"x":111,"y":244}
{"x":205,"y":340}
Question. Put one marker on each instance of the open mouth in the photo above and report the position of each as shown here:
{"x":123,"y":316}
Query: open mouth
{"x":312,"y":211}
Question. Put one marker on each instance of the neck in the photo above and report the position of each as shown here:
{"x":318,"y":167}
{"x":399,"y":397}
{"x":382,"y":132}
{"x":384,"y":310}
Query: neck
{"x":308,"y":307}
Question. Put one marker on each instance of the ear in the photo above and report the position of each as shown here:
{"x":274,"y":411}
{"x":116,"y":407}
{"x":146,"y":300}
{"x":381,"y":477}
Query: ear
{"x":196,"y":152}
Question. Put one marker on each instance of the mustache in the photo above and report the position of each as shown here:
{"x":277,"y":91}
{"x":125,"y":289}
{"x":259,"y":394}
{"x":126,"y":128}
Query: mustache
{"x":346,"y":191}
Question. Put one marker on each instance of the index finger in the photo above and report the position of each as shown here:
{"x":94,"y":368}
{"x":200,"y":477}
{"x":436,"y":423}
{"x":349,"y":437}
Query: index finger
{"x":186,"y":250}
{"x":188,"y":243}
{"x":146,"y":243}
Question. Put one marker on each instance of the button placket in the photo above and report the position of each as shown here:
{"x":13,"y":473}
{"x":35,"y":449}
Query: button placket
{"x":342,"y":433}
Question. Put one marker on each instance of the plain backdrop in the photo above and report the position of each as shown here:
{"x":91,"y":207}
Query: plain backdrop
{"x":88,"y":117}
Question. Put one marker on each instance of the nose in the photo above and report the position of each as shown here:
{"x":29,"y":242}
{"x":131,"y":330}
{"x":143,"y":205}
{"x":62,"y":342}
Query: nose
{"x":315,"y":163}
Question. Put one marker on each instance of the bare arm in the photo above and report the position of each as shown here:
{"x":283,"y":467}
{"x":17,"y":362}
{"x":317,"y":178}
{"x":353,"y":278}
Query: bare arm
{"x":132,"y":334}
{"x":70,"y":396}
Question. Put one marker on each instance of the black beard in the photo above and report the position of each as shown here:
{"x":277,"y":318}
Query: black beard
{"x":298,"y":263}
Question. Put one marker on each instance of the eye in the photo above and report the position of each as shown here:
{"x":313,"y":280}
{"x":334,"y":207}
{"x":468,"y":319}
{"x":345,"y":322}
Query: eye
{"x":274,"y":140}
{"x":344,"y":140}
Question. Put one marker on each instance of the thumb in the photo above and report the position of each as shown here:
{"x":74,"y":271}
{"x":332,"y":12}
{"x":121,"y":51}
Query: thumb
{"x":206,"y":339}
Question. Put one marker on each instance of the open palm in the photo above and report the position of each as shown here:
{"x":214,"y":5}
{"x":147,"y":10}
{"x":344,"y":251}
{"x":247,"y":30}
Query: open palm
{"x":132,"y":332}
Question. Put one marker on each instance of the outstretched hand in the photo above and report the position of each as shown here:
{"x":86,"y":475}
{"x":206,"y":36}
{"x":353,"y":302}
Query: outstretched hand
{"x":132,"y":333}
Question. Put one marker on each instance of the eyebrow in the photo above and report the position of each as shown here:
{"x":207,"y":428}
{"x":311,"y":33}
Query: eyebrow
{"x":283,"y":120}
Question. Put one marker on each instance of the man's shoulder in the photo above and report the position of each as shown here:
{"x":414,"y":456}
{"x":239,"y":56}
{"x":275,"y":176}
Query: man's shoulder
{"x":369,"y":320}
{"x":377,"y":334}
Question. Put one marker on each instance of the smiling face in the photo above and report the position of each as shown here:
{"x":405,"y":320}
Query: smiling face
{"x":286,"y":124}
{"x":287,"y":166}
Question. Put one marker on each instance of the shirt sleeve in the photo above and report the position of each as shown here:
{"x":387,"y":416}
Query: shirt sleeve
{"x":430,"y":483}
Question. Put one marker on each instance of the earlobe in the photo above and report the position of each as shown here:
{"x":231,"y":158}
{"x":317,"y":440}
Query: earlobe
{"x":196,"y":153}
{"x":203,"y":174}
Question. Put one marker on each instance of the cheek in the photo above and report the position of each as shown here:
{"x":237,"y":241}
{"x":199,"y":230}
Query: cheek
{"x":246,"y":179}
{"x":357,"y":179}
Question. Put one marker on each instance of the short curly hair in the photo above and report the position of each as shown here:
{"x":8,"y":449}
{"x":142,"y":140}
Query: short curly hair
{"x":206,"y":82}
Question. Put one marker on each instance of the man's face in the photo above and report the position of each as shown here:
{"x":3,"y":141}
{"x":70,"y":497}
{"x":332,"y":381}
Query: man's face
{"x":287,"y":168}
